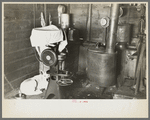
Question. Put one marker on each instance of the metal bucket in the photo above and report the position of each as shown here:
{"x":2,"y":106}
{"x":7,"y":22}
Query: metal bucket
{"x":123,"y":33}
{"x":101,"y":68}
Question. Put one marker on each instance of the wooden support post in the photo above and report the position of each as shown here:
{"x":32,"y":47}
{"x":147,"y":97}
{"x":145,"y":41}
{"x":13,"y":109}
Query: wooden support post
{"x":89,"y":22}
{"x":139,"y":68}
{"x":45,"y":14}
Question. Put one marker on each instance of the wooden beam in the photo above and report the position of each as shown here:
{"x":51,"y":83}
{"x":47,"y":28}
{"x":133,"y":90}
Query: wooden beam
{"x":89,"y":22}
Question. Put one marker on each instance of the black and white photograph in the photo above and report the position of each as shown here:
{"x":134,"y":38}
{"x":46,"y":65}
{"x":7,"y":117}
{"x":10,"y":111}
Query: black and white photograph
{"x":75,"y":52}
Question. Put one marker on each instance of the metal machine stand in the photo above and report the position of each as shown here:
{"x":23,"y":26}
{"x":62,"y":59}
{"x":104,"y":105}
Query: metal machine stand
{"x":61,"y":79}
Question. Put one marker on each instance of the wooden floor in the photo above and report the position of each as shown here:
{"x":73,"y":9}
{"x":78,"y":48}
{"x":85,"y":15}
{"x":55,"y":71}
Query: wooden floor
{"x":82,"y":88}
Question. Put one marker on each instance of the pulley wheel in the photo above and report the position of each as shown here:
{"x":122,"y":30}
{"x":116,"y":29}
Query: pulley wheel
{"x":64,"y":82}
{"x":48,"y":57}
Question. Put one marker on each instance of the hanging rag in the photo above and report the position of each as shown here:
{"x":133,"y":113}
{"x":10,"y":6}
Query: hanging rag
{"x":46,"y":36}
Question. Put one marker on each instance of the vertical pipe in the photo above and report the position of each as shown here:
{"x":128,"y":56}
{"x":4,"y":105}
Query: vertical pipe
{"x":89,"y":22}
{"x":110,"y":48}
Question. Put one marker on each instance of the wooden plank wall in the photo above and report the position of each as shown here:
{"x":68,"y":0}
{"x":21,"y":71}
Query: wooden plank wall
{"x":80,"y":13}
{"x":20,"y":62}
{"x":19,"y":58}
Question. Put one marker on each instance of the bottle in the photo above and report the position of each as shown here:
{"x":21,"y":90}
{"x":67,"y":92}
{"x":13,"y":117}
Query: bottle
{"x":73,"y":34}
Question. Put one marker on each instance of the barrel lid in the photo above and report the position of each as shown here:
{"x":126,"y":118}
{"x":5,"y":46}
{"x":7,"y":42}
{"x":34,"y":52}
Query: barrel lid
{"x":100,"y":49}
{"x":123,"y":24}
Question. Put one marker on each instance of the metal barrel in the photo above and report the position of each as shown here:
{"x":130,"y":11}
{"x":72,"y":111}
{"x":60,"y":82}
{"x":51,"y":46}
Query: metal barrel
{"x":101,"y":68}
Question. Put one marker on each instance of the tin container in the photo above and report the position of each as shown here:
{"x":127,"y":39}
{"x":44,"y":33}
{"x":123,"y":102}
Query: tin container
{"x":121,"y":62}
{"x":130,"y":62}
{"x":73,"y":34}
{"x":123,"y":33}
{"x":101,"y":67}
